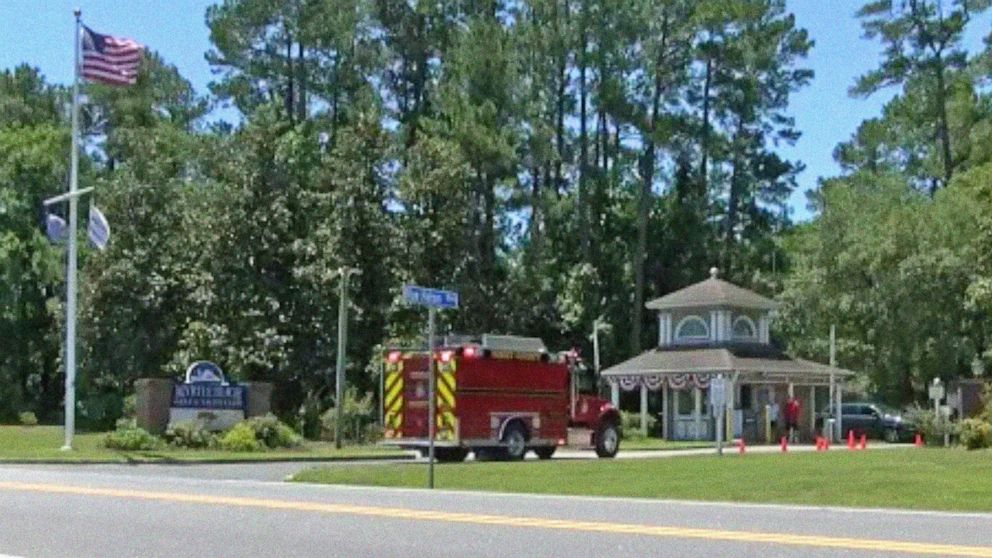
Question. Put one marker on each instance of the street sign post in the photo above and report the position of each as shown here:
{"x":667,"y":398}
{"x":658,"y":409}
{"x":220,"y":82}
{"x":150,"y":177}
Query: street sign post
{"x":718,"y":401}
{"x":432,"y":299}
{"x":936,"y":393}
{"x":936,"y":390}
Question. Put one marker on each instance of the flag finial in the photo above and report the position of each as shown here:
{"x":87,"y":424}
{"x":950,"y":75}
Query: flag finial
{"x":77,"y":12}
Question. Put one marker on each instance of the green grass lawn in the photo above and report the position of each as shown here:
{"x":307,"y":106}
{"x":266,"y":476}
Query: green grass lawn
{"x":935,"y":479}
{"x":42,"y":443}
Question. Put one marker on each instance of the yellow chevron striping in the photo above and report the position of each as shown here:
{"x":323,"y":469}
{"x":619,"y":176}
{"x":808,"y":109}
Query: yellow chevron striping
{"x":392,"y":380}
{"x":394,"y":394}
{"x":394,"y":405}
{"x":445,"y":398}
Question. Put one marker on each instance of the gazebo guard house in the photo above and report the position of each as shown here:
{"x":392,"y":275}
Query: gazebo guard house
{"x":716,"y":329}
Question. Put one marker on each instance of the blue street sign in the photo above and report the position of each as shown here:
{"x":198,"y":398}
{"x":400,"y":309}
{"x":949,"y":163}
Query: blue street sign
{"x":435,"y":298}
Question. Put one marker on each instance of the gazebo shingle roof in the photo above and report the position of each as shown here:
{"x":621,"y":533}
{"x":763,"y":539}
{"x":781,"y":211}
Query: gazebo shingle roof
{"x":711,"y":293}
{"x":746,"y":358}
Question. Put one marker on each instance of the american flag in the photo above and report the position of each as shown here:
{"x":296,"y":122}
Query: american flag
{"x":110,"y":60}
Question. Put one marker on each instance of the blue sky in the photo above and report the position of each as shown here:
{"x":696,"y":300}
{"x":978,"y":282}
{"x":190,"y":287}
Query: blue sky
{"x":40,"y":33}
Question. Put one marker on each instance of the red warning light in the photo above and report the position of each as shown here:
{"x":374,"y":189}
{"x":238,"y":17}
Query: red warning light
{"x":393,"y":357}
{"x":470,"y":352}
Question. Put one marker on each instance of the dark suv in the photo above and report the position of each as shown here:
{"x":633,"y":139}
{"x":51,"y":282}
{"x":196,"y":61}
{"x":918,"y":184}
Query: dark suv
{"x":875,"y":421}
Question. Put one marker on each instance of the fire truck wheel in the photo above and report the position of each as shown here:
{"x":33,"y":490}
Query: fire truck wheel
{"x":515,"y":438}
{"x":607,"y":440}
{"x":545,"y":452}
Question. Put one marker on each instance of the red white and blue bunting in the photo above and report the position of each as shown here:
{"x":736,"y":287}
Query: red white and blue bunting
{"x":678,"y":382}
{"x":654,"y":382}
{"x":629,"y":383}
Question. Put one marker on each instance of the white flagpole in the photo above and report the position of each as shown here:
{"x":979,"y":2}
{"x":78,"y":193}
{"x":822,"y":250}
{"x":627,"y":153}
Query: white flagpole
{"x":70,"y":302}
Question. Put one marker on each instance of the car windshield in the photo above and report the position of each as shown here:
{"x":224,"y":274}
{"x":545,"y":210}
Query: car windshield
{"x":887,"y":410}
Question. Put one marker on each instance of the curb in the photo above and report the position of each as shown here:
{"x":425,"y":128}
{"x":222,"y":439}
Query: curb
{"x":190,"y":462}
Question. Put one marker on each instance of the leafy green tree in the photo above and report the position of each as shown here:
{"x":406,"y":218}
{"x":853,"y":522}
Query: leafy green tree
{"x":923,"y":44}
{"x":33,"y":142}
{"x":890,"y":268}
{"x":31,"y":168}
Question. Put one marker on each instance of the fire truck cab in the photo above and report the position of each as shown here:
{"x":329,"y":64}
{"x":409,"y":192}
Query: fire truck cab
{"x":498,"y":396}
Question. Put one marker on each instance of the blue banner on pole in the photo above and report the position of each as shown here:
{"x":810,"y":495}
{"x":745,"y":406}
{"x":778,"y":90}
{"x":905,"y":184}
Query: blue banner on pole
{"x":98,"y":229}
{"x":55,"y":228}
{"x":435,"y":298}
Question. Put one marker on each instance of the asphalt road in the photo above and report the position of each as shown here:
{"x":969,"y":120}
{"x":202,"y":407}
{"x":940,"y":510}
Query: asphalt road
{"x":81,"y":512}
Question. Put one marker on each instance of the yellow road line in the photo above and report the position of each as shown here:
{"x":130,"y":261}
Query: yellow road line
{"x":789,"y":539}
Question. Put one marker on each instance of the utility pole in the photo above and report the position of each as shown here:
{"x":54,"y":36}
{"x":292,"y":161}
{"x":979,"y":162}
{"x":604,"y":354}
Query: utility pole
{"x":834,"y":400}
{"x":70,"y":287}
{"x":595,"y":346}
{"x":431,"y":396}
{"x":344,"y":273}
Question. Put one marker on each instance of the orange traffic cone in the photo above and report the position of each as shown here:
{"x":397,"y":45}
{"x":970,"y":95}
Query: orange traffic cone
{"x":864,"y":442}
{"x":850,"y":439}
{"x":919,"y":441}
{"x":740,"y":446}
{"x":819,"y":443}
{"x":785,"y":443}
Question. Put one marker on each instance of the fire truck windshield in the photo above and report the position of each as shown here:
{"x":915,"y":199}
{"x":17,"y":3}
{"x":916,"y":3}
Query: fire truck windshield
{"x":585,"y":378}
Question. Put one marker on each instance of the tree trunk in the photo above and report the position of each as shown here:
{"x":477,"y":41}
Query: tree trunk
{"x":705,"y":143}
{"x":583,"y":139}
{"x":561,"y":92}
{"x":335,"y":97}
{"x":290,"y":79}
{"x":560,"y":120}
{"x":420,"y":88}
{"x":733,"y":199}
{"x":537,"y":213}
{"x":942,"y":125}
{"x":644,"y":201}
{"x":301,"y":107}
{"x":489,"y":234}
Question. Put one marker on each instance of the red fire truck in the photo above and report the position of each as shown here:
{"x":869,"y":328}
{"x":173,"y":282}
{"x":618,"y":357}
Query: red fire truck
{"x":498,"y":397}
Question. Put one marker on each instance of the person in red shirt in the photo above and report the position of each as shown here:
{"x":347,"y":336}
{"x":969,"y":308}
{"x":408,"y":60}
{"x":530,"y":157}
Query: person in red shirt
{"x":792,"y":417}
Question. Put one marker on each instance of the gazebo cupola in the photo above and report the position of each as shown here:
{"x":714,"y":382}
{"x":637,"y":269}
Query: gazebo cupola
{"x":712,"y":312}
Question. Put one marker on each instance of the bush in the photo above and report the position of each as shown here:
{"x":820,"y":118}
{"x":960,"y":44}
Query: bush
{"x":975,"y":434}
{"x":986,"y":412}
{"x":28,"y":418}
{"x":190,"y":434}
{"x":129,"y":437}
{"x":929,"y":425}
{"x":130,"y":406}
{"x":240,"y":438}
{"x":358,"y":417}
{"x":273,"y":433}
{"x":309,"y":418}
{"x":259,"y":433}
{"x":630,"y":425}
{"x":100,"y":409}
{"x":372,"y":434}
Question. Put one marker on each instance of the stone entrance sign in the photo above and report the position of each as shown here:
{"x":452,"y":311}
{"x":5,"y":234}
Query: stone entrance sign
{"x":207,"y":397}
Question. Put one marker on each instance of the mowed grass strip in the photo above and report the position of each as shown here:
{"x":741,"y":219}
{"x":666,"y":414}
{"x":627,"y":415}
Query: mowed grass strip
{"x":925,"y":479}
{"x":43,"y":443}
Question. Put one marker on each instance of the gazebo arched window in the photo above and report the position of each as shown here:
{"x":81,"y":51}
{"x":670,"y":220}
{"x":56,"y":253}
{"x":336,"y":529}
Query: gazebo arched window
{"x":692,"y":328}
{"x":744,"y":328}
